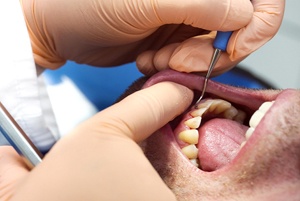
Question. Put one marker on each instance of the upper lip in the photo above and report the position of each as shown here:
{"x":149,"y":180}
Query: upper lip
{"x":233,"y":94}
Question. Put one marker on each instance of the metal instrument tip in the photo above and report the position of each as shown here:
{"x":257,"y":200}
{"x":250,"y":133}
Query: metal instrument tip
{"x":215,"y":58}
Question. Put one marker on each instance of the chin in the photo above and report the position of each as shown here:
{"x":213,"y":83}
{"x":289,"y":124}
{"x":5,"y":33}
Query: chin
{"x":236,"y":144}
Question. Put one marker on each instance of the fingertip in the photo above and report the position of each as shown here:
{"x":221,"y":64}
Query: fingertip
{"x":162,"y":57}
{"x":193,"y":55}
{"x":145,"y":63}
{"x":157,"y":106}
{"x":142,"y":113}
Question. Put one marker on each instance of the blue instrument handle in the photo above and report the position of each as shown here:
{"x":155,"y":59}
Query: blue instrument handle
{"x":222,"y":39}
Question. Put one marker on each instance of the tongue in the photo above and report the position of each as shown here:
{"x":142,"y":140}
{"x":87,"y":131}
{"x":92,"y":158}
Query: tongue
{"x":219,"y":142}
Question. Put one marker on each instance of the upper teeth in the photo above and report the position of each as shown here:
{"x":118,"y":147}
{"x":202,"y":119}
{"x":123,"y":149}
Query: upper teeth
{"x":257,"y":117}
{"x":189,"y":136}
{"x":216,"y":106}
{"x":193,"y":122}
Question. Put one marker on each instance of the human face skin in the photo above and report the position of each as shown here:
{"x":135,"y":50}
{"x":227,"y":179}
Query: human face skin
{"x":265,"y":167}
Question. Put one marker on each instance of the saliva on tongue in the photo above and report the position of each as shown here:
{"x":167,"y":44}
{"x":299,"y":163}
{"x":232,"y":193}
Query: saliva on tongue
{"x":219,"y":142}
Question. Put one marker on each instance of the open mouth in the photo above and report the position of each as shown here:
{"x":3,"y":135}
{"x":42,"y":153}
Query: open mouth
{"x":211,"y":135}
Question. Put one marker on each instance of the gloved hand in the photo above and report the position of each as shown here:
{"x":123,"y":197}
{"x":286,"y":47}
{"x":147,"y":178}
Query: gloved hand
{"x":105,"y":33}
{"x":99,"y":160}
{"x":194,"y":54}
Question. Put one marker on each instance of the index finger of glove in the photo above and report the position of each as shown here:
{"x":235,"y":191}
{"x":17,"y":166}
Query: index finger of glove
{"x":221,"y":15}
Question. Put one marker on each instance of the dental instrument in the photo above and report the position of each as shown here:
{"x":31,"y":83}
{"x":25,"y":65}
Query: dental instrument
{"x":220,"y":44}
{"x":18,"y":139}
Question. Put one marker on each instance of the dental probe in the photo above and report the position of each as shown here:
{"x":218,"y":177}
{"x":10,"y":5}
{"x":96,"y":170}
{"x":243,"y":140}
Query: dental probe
{"x":18,"y":139}
{"x":220,"y":44}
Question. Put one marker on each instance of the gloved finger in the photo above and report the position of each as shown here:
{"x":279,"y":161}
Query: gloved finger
{"x":222,"y":15}
{"x":145,"y":63}
{"x":151,"y":61}
{"x":12,"y":170}
{"x":264,"y":25}
{"x":143,"y":17}
{"x":143,"y":112}
{"x":192,"y":55}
